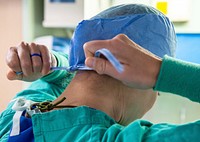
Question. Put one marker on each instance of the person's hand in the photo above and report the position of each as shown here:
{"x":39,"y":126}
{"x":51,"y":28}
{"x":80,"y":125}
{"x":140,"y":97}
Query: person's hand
{"x":141,"y":67}
{"x":31,"y":61}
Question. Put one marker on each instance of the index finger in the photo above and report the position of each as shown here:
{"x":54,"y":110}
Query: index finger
{"x":92,"y":46}
{"x":12,"y":60}
{"x":25,"y":59}
{"x":46,"y":59}
{"x":115,"y":45}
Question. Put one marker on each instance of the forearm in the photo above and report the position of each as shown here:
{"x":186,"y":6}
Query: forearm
{"x":180,"y":78}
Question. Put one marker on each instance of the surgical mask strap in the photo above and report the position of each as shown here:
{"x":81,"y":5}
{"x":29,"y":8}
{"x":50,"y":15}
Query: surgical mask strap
{"x":105,"y":52}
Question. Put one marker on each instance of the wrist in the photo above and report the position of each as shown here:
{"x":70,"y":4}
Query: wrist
{"x":155,"y":71}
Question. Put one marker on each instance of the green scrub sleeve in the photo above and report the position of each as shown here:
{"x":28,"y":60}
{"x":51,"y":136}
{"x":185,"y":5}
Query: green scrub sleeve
{"x":179,"y":77}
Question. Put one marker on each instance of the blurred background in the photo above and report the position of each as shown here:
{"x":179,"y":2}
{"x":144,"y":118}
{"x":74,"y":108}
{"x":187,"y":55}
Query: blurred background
{"x":52,"y":22}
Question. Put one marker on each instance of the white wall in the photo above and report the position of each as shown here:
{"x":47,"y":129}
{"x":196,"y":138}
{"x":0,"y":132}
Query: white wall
{"x":193,"y":25}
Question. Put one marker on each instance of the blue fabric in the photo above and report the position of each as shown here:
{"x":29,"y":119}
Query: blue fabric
{"x":26,"y":131}
{"x":148,"y":28}
{"x":126,"y":10}
{"x":60,"y":44}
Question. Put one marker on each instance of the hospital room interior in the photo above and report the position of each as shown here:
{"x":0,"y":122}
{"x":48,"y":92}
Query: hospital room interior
{"x":52,"y":22}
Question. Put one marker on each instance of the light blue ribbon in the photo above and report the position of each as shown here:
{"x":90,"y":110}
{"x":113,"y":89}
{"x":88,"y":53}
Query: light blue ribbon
{"x":111,"y":58}
{"x":105,"y":52}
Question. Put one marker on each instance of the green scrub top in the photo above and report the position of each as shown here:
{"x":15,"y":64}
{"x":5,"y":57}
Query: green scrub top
{"x":84,"y":124}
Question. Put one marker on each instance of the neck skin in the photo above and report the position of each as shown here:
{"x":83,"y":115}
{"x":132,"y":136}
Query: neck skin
{"x":103,"y":93}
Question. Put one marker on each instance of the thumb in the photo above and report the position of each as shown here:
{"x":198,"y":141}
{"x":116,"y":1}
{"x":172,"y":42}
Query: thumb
{"x":100,"y":65}
{"x":11,"y":75}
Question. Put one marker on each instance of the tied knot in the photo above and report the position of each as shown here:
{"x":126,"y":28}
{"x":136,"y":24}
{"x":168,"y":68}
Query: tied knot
{"x":48,"y":105}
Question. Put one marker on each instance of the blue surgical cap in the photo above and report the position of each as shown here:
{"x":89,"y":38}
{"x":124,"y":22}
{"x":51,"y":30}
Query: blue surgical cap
{"x":143,"y":24}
